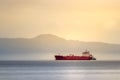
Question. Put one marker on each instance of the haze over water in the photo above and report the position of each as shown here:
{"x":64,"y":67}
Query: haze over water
{"x":59,"y":70}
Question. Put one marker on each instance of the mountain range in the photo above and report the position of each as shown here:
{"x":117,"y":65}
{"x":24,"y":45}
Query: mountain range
{"x":45,"y":46}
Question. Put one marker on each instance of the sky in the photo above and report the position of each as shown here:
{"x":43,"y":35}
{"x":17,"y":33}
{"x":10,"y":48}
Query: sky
{"x":84,"y":20}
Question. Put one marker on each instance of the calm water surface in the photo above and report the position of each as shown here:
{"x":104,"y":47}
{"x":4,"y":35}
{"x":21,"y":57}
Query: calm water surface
{"x":59,"y":70}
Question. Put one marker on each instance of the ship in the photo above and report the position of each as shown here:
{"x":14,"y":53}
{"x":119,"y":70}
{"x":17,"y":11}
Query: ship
{"x":86,"y":55}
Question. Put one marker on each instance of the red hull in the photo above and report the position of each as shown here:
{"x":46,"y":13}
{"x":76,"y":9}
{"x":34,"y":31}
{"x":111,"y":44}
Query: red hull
{"x":58,"y":57}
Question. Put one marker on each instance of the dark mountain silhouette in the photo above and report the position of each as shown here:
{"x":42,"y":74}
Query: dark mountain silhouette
{"x":23,"y":48}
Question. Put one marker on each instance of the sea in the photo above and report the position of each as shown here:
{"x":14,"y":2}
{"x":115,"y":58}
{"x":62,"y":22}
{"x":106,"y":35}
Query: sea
{"x":59,"y":70}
